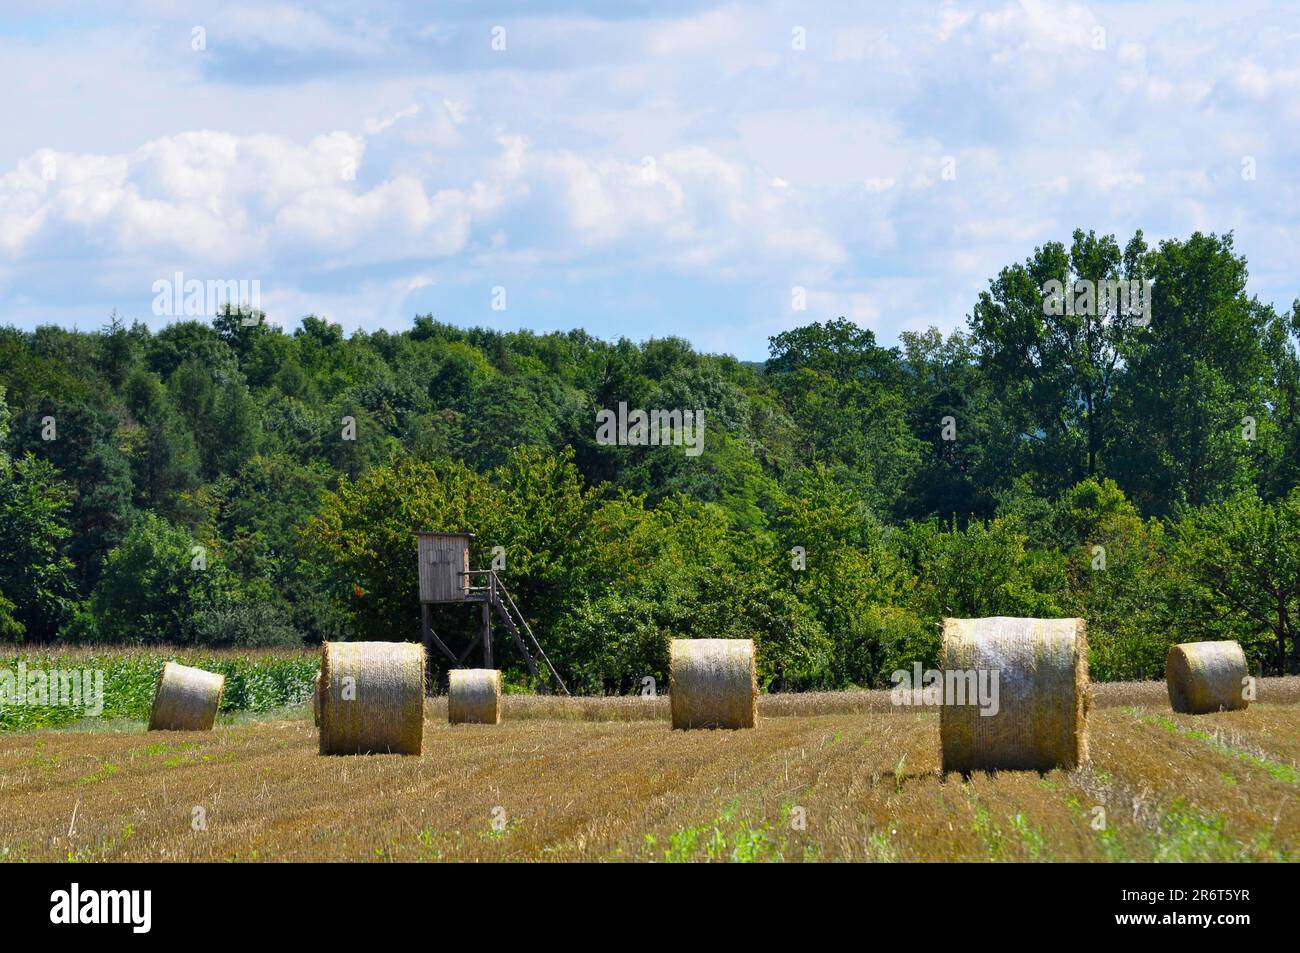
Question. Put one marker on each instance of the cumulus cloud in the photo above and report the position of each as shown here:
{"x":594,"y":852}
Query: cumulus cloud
{"x":225,"y":198}
{"x":626,"y":172}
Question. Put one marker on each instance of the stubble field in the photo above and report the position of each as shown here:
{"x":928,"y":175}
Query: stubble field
{"x":822,"y":778}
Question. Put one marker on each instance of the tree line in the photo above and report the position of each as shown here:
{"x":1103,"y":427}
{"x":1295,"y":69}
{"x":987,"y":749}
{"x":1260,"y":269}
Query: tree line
{"x":230,"y":483}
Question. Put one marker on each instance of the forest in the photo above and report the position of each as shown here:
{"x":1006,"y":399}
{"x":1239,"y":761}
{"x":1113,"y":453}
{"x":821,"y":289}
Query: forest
{"x":228,"y":483}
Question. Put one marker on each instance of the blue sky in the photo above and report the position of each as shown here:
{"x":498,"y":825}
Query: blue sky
{"x":636,"y":169}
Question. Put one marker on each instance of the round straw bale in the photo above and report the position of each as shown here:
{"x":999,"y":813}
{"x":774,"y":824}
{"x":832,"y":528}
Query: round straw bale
{"x":474,"y":696}
{"x":1041,"y":672}
{"x":1206,"y":676}
{"x":371,"y":698}
{"x":315,"y":701}
{"x":712,"y":683}
{"x":185,"y":699}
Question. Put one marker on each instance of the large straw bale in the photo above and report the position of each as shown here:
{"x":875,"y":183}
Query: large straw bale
{"x":186,"y":699}
{"x":1206,"y":676}
{"x":1043,"y":695}
{"x":712,"y":683}
{"x":371,"y":698}
{"x":474,"y":696}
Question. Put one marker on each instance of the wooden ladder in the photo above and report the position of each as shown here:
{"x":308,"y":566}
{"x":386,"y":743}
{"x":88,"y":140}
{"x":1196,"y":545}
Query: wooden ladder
{"x":518,"y":627}
{"x":496,"y":596}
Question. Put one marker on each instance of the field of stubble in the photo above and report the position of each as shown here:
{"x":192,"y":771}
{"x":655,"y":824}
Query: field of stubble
{"x":822,"y":778}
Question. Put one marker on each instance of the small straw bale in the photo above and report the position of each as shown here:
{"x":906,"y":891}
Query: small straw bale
{"x":474,"y":696}
{"x":1206,"y":676}
{"x":185,"y":699}
{"x":712,"y":683}
{"x":1043,"y":697}
{"x":371,"y":698}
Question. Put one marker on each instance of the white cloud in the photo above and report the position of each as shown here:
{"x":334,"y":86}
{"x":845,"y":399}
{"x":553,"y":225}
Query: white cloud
{"x":339,"y":153}
{"x":375,"y":126}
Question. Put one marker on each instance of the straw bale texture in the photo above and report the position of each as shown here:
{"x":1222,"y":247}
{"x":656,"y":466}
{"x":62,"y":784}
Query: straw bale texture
{"x":186,"y":699}
{"x":1043,"y":694}
{"x":1206,"y":676}
{"x":371,"y":698}
{"x":474,"y":696}
{"x":712,"y":683}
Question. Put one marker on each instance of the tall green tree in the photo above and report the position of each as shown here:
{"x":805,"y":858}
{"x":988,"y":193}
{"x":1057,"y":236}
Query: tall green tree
{"x":954,"y":414}
{"x":1053,"y":348}
{"x":36,"y":577}
{"x":118,"y":351}
{"x":1195,"y":392}
{"x":845,"y":394}
{"x":155,"y":584}
{"x":164,"y":459}
{"x":87,"y":453}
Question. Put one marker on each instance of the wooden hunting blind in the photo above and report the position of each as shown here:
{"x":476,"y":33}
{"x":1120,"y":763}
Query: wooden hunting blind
{"x":444,"y":566}
{"x":445,"y":577}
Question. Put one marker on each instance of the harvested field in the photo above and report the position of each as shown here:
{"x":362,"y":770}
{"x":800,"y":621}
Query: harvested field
{"x":825,"y":777}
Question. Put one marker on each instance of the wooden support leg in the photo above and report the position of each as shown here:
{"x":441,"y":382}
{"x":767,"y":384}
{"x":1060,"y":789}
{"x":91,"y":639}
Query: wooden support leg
{"x":469,"y":650}
{"x":430,"y":639}
{"x":425,"y":631}
{"x":487,"y":635}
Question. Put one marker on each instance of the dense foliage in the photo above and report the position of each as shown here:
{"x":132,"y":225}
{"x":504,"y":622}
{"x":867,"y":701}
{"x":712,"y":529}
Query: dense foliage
{"x":229,"y":483}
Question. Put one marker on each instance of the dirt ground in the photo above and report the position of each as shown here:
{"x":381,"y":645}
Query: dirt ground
{"x":822,"y":777}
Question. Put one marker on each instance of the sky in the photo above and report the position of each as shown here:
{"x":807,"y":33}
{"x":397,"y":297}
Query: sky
{"x":718,"y":172}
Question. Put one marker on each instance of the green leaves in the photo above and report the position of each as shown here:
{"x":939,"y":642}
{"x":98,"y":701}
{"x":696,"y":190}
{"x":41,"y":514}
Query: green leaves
{"x":156,"y":583}
{"x":36,"y":578}
{"x":1241,"y":559}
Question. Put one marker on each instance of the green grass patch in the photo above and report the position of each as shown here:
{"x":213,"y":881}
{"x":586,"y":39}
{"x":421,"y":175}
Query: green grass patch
{"x":1286,"y":773}
{"x":727,"y":838}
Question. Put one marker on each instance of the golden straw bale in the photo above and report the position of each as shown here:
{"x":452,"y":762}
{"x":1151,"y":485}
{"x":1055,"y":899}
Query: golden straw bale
{"x":371,"y":698}
{"x":712,"y":683}
{"x":1043,"y":695}
{"x":474,"y":696}
{"x":186,"y":699}
{"x":1206,"y":676}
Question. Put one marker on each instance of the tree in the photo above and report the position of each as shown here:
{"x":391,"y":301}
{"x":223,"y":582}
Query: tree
{"x":87,"y":453}
{"x":36,"y":577}
{"x":985,"y":569}
{"x":10,"y":628}
{"x":156,"y":583}
{"x":193,"y":394}
{"x":241,"y":327}
{"x":1192,"y":379}
{"x":1281,"y":462}
{"x":954,"y":415}
{"x":1117,"y":577}
{"x":117,"y":353}
{"x":236,"y":429}
{"x":164,"y":460}
{"x":845,"y":394}
{"x":364,"y":537}
{"x":190,"y":341}
{"x":1052,"y":346}
{"x":4,"y":428}
{"x":1242,"y":558}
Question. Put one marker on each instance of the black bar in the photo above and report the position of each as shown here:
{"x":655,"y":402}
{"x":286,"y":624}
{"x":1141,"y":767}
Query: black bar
{"x":899,"y":904}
